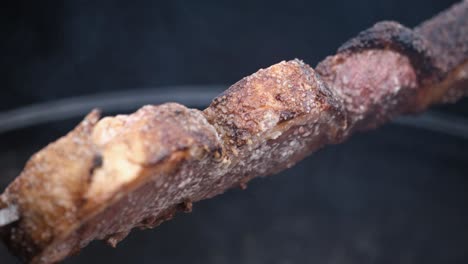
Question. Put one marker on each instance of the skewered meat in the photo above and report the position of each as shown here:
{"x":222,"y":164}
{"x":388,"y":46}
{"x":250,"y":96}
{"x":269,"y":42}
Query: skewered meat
{"x":110,"y":175}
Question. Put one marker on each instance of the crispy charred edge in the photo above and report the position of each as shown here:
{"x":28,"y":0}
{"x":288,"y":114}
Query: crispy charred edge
{"x":326,"y":101}
{"x":173,"y":159}
{"x":18,"y":241}
{"x":389,"y":35}
{"x":26,"y":249}
{"x":447,"y":34}
{"x":270,"y":95}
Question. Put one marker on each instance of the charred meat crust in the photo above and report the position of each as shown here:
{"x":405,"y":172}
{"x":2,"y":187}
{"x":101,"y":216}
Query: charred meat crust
{"x":60,"y":202}
{"x":355,"y":77}
{"x":259,"y":102}
{"x":446,"y":35}
{"x":371,"y":75}
{"x":394,"y":36}
{"x":161,"y":158}
{"x":50,"y":189}
{"x":436,"y":49}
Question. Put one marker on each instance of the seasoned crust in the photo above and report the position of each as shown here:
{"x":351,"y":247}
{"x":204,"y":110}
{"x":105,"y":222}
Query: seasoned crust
{"x":390,"y":69}
{"x":273,"y":118}
{"x":389,"y":35}
{"x":144,"y":167}
{"x":183,"y":129}
{"x":50,"y":190}
{"x":146,"y":138}
{"x":70,"y":182}
{"x":270,"y":97}
{"x":379,"y":74}
{"x":437,"y":50}
{"x":355,"y":77}
{"x":447,"y":35}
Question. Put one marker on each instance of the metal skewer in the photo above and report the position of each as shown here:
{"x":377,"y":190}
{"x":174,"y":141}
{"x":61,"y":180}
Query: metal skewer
{"x":9,"y":215}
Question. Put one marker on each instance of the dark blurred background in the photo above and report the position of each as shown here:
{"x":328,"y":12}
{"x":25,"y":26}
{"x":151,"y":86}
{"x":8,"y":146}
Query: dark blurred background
{"x":394,"y":195}
{"x":55,"y":49}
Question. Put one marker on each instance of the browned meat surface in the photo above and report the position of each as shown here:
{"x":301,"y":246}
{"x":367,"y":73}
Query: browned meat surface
{"x":110,"y":175}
